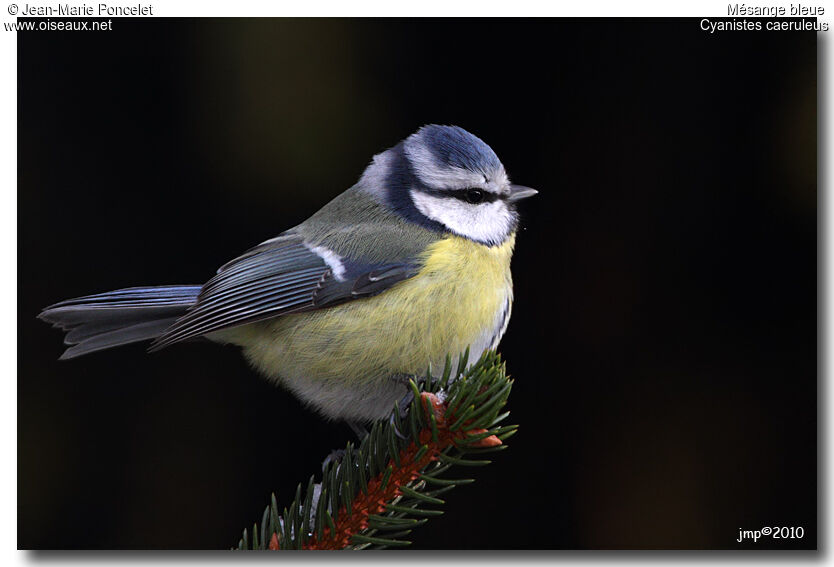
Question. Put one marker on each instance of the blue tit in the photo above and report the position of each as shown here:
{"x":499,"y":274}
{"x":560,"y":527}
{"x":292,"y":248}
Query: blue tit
{"x":409,"y":264}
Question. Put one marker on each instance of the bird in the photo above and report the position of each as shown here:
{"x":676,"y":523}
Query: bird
{"x":407,"y":266}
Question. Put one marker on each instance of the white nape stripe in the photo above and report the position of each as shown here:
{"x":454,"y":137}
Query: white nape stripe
{"x":374,"y":177}
{"x":490,"y":222}
{"x":333,"y":260}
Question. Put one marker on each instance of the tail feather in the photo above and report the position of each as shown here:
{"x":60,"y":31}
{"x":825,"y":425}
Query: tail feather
{"x":132,"y":334}
{"x":115,"y":318}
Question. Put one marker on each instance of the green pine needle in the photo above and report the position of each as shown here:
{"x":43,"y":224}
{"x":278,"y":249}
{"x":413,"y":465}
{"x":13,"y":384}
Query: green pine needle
{"x":474,"y":398}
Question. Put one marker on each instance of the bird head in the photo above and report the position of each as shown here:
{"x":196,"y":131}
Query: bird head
{"x":444,"y":178}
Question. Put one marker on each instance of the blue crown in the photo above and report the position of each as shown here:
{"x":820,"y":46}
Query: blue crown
{"x":455,"y":147}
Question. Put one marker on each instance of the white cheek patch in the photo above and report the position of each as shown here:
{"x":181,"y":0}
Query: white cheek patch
{"x":489,"y":223}
{"x":333,"y":260}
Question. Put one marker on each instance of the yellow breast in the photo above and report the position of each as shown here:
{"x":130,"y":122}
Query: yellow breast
{"x":460,"y":298}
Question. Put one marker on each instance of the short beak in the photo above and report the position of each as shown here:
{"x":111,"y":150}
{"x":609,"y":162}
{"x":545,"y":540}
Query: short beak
{"x":519,"y":192}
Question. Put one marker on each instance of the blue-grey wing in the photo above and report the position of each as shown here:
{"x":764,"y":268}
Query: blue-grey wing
{"x":283,"y":275}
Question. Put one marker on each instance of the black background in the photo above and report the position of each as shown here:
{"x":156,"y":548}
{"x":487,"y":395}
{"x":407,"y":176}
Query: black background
{"x":663,"y":338}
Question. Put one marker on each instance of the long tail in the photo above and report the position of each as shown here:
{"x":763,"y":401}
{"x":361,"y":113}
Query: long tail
{"x":115,"y":318}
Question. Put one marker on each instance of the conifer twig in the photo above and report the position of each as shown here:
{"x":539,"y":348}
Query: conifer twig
{"x":391,"y":483}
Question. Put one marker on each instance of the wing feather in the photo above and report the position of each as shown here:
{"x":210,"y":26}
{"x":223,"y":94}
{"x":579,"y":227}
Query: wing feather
{"x":271,"y":281}
{"x":280,"y":276}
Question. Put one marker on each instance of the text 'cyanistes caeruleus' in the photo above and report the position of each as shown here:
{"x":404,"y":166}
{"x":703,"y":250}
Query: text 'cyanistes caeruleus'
{"x":409,"y":264}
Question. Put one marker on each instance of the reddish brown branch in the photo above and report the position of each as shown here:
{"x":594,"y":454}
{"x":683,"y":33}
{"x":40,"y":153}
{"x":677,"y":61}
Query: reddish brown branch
{"x":377,"y":496}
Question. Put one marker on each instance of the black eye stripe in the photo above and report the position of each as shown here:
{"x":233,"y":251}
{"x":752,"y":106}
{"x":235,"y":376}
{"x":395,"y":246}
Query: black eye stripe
{"x":463,"y":195}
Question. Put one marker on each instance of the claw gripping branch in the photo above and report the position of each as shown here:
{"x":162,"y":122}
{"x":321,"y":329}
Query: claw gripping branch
{"x":378,"y":492}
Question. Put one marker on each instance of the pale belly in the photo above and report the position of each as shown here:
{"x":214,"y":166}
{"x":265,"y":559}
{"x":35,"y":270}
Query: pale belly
{"x":345,"y":360}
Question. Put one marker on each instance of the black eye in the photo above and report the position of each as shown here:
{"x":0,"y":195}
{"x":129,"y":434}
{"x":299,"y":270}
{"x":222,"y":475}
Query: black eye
{"x":474,"y":196}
